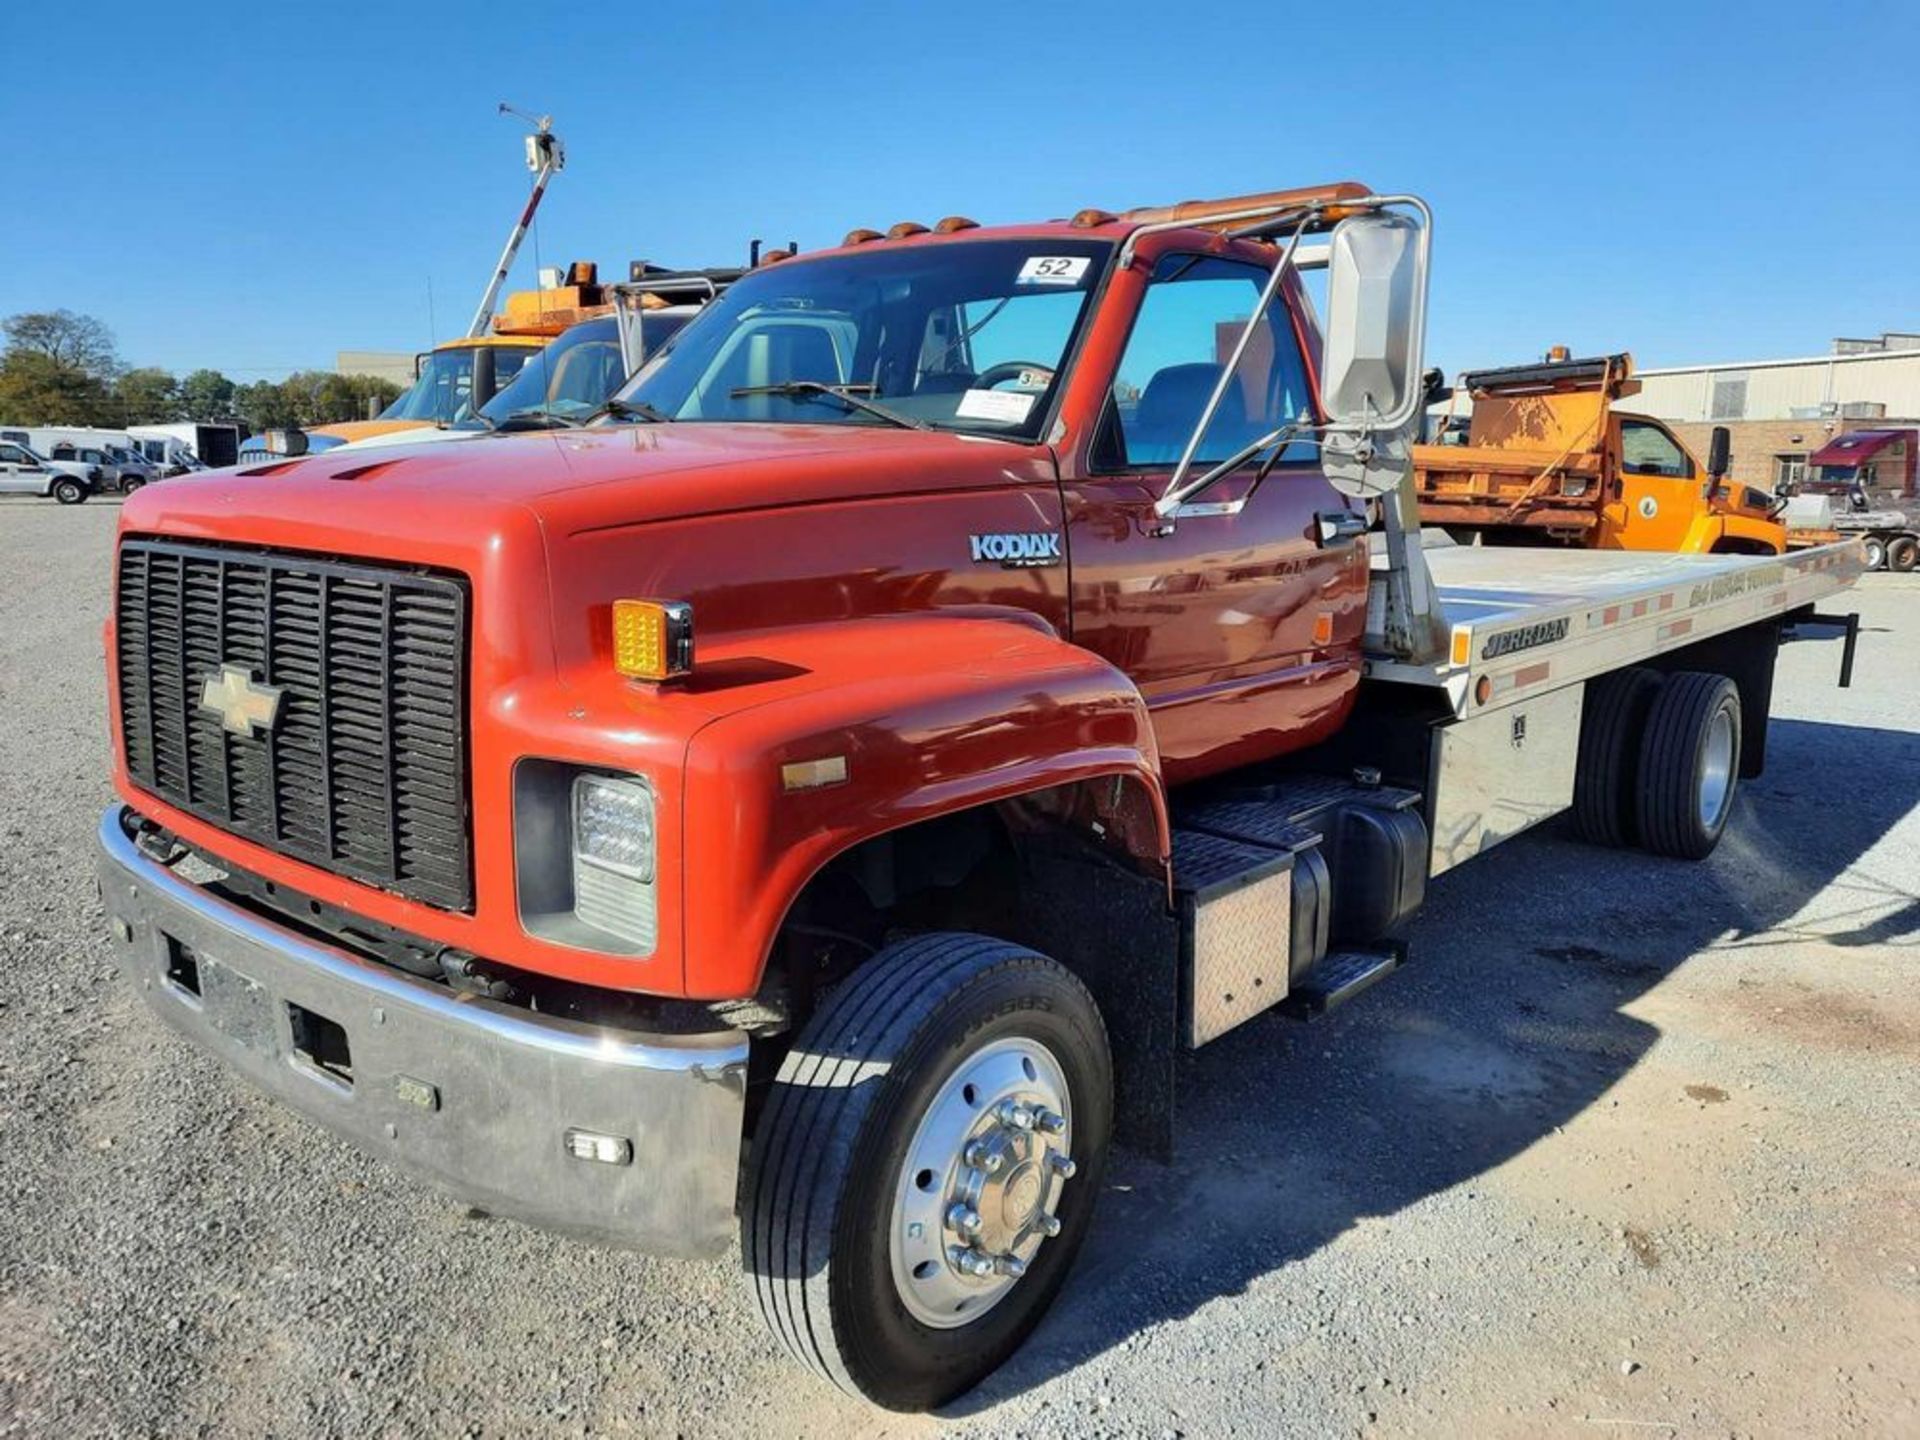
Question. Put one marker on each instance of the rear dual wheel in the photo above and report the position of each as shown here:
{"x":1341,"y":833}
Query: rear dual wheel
{"x":926,"y":1167}
{"x":1689,"y":765}
{"x":1903,"y":554}
{"x":1875,"y":552}
{"x":1611,"y":722}
{"x":1659,"y":761}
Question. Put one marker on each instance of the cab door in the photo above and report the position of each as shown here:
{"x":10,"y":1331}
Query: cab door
{"x":20,"y":473}
{"x":1662,"y":491}
{"x":1240,"y":627}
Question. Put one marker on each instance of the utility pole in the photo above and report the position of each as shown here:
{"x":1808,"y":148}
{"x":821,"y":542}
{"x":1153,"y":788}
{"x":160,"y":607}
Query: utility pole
{"x":545,"y":157}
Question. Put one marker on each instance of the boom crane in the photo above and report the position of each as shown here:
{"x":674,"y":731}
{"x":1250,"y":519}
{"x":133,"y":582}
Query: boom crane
{"x":545,"y":157}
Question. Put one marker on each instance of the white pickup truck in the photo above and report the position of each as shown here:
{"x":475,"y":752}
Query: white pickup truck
{"x":25,"y":471}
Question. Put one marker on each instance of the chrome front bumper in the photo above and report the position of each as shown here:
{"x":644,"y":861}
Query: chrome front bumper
{"x":475,"y":1096}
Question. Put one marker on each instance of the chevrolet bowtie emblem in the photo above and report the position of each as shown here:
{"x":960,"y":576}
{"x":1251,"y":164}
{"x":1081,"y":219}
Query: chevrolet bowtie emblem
{"x":244,"y":706}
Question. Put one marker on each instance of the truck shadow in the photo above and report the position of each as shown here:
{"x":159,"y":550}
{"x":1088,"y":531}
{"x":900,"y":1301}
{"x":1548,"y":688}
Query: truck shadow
{"x":1508,"y":1021}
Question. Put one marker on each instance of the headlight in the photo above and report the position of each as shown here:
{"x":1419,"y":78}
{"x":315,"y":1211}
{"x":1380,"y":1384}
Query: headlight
{"x":613,"y":858}
{"x":613,"y":825}
{"x":584,"y":857}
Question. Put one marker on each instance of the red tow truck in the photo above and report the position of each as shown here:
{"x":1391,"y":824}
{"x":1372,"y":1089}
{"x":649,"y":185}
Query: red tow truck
{"x":969,"y":666}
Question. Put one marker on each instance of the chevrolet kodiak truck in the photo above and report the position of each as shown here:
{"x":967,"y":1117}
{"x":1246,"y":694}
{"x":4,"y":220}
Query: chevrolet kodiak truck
{"x":1548,"y":460}
{"x":973,"y":666}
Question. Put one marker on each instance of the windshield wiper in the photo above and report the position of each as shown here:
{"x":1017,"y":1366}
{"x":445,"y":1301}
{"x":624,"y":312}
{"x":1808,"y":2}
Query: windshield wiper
{"x":532,"y":420}
{"x":629,"y":410}
{"x":848,"y":395}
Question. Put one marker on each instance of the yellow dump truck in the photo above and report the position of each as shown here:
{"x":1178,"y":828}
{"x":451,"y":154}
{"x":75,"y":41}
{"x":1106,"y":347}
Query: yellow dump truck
{"x":1548,"y":460}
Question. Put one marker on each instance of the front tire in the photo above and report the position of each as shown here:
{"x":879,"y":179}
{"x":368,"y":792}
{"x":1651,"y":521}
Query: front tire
{"x":1689,"y":765}
{"x":69,"y":491}
{"x":926,"y":1167}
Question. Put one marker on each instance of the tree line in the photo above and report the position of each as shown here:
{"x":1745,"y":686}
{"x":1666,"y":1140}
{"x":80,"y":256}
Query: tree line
{"x":59,"y":368}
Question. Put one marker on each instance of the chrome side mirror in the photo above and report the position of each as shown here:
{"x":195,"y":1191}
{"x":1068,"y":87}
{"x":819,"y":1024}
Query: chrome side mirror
{"x":1370,"y":379}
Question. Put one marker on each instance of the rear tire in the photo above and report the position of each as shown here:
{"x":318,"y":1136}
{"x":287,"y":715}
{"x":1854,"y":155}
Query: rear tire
{"x":1903,"y":554}
{"x":879,"y":1085}
{"x":1876,"y":552}
{"x":69,"y":491}
{"x":1605,"y":784}
{"x":1689,"y":765}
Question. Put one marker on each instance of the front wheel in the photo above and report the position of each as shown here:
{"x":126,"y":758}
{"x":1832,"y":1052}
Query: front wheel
{"x":127,"y":487}
{"x":69,"y":491}
{"x":926,"y":1166}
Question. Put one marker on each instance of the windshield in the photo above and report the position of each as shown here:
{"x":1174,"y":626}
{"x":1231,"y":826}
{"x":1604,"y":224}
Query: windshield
{"x":571,"y":378}
{"x":444,"y":393}
{"x":960,"y":335}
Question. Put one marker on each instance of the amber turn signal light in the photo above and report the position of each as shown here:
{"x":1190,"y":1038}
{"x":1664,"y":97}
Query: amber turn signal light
{"x":652,"y":639}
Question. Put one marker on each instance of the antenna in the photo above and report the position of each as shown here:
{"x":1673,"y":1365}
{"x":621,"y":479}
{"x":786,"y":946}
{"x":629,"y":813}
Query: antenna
{"x":546,"y":156}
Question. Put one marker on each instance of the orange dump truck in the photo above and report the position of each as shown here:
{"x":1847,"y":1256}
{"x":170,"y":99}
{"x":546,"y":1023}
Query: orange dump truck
{"x":1549,"y":460}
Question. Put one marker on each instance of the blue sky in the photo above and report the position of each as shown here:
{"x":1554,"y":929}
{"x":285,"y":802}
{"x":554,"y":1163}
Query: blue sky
{"x":257,"y":187}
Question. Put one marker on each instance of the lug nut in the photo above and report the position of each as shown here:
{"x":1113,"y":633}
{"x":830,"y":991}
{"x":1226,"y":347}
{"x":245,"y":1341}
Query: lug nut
{"x":980,"y":1157}
{"x":1011,"y":1266}
{"x":1048,"y":1225}
{"x":1049,"y":1122}
{"x":970,"y":1262}
{"x":1064,"y":1164}
{"x":964,"y":1218}
{"x":1013,"y":1113}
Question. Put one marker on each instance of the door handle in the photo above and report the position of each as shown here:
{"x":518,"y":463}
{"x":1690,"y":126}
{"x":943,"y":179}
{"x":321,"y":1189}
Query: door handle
{"x":1336,"y":527}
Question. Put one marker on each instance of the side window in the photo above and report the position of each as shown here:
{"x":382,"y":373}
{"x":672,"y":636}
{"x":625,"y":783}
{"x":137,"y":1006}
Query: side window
{"x":1191,"y":318}
{"x":506,"y":365}
{"x":1648,"y":450}
{"x":10,"y":455}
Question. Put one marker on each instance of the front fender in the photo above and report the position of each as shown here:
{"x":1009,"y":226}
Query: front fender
{"x":931,"y":714}
{"x":1710,"y":531}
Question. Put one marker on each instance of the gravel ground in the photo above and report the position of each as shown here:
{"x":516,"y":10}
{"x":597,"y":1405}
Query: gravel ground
{"x":1631,"y":1148}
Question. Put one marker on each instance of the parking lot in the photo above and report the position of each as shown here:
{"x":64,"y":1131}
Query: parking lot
{"x":1630,"y":1149}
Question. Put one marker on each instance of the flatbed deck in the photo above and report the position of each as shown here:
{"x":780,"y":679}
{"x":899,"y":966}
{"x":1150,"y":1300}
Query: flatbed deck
{"x":1532,"y":620}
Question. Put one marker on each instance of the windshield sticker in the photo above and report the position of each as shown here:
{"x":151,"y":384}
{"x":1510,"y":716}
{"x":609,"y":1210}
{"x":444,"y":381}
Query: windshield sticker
{"x":1053,"y":270}
{"x":1009,"y":407}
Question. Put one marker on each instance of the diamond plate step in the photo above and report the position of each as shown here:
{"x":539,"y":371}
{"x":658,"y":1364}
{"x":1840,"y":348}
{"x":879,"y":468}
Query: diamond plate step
{"x":1339,"y":977}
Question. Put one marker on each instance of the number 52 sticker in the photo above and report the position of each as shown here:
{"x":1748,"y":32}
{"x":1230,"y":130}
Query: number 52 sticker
{"x":1053,"y":270}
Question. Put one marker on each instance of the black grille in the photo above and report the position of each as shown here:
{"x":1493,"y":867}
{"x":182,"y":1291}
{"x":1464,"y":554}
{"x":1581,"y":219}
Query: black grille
{"x":364,"y":770}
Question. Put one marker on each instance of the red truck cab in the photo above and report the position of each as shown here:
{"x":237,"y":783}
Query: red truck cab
{"x":1011,"y":538}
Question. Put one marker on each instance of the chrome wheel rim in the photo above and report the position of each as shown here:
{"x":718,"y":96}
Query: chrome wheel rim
{"x":1716,"y":770}
{"x":975,"y":1199}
